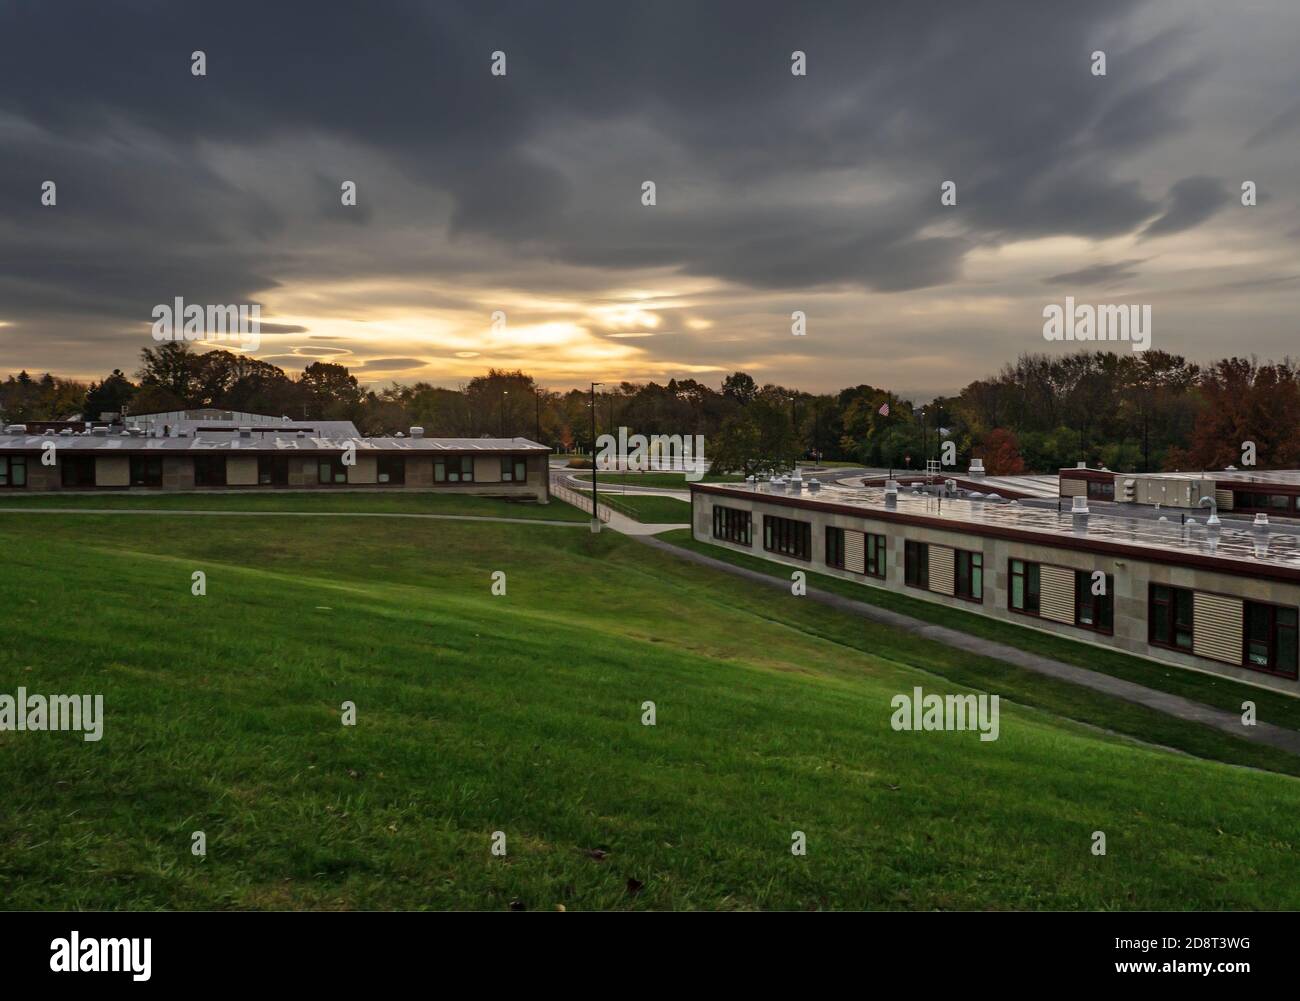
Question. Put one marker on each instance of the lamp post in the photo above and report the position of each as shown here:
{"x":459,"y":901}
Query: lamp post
{"x":595,"y":497}
{"x":504,"y":394}
{"x":537,"y":398}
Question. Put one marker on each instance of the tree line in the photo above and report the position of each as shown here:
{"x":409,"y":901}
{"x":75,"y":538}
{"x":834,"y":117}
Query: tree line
{"x":1140,"y":411}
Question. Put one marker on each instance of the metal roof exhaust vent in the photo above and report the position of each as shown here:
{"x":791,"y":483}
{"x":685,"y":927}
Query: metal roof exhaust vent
{"x":417,"y":432}
{"x":891,"y":493}
{"x":1212,"y":504}
{"x":814,"y":485}
{"x":1261,"y":520}
{"x":976,"y":468}
{"x":1080,"y":465}
{"x":245,"y":432}
{"x":796,"y":483}
{"x":1079,"y":504}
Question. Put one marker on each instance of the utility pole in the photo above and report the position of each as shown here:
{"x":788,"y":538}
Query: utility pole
{"x":504,"y":394}
{"x":537,"y":398}
{"x":595,"y":497}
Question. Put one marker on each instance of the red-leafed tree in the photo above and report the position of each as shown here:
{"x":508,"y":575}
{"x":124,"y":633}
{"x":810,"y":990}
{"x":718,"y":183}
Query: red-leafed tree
{"x":1001,"y":453}
{"x":1243,"y":401}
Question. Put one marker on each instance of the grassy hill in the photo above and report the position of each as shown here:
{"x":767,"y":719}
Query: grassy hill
{"x":522,"y":713}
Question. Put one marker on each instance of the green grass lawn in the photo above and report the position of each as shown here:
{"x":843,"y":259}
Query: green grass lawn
{"x":1223,"y":693}
{"x":305,"y":500}
{"x":647,"y":508}
{"x":521,"y":713}
{"x":671,"y":481}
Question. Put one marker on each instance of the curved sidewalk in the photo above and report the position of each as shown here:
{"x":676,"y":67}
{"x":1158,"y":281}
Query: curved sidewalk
{"x":1165,"y":702}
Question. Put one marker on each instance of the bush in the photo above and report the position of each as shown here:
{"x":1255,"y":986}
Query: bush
{"x":579,"y":464}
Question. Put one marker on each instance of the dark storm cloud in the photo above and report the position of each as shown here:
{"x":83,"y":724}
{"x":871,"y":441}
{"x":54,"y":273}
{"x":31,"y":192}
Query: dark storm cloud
{"x":1098,"y":274}
{"x":1191,"y":201}
{"x":754,"y":165}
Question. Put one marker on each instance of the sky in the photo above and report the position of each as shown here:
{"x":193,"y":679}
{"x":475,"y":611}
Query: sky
{"x":523,"y":193}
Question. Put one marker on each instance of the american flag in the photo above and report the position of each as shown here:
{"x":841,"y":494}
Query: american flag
{"x":884,"y":410}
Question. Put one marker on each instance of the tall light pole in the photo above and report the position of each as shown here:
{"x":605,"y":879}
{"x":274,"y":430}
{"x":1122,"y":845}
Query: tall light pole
{"x":537,"y":398}
{"x":595,"y":498}
{"x":504,"y":394}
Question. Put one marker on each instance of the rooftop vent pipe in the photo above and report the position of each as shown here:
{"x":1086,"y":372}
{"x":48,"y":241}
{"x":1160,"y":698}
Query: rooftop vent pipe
{"x":1213,"y":505}
{"x":417,"y":432}
{"x":1079,"y":504}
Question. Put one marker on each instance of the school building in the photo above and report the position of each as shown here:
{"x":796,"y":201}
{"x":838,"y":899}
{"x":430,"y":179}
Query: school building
{"x":1219,"y":598}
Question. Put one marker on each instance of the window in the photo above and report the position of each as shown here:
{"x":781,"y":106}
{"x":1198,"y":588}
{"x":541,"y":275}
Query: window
{"x":453,"y":469}
{"x":875,"y":560}
{"x":732,"y":525}
{"x":1169,"y":617}
{"x":514,"y":470}
{"x":392,"y":469}
{"x":146,"y":471}
{"x":787,"y":537}
{"x":1024,"y":587}
{"x":1094,"y":611}
{"x":969,"y":582}
{"x":273,"y":470}
{"x":1101,"y":490}
{"x":835,"y":547}
{"x":331,"y":470}
{"x":13,"y":470}
{"x":1269,"y":637}
{"x":1272,"y":503}
{"x":78,"y":471}
{"x":916,"y":564}
{"x":209,"y":470}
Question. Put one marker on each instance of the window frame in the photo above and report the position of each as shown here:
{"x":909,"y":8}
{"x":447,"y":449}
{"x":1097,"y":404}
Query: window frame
{"x":792,"y":534}
{"x":148,"y":479}
{"x":971,"y":555}
{"x":1103,"y":605}
{"x":1271,"y":667}
{"x":213,"y":462}
{"x":336,"y":469}
{"x":70,"y":463}
{"x":1171,"y":643}
{"x":462,"y":475}
{"x":279,"y":470}
{"x":392,"y":462}
{"x":10,"y":463}
{"x":916,"y":564}
{"x":1026,"y":591}
{"x":733,"y":524}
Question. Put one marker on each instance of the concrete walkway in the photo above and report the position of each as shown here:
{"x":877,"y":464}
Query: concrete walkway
{"x":1174,"y":705}
{"x":292,"y":514}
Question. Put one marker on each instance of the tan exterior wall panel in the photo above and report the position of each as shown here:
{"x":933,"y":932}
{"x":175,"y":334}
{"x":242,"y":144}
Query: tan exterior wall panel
{"x":942,"y":570}
{"x":112,"y":471}
{"x":241,"y":470}
{"x":1216,"y":627}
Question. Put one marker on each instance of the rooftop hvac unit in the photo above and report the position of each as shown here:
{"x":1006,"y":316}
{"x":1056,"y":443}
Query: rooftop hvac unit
{"x":1129,"y":491}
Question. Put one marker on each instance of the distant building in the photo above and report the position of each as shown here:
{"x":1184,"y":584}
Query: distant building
{"x":189,"y":450}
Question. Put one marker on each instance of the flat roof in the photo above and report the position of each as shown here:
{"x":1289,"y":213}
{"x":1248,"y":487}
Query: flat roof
{"x":1273,"y":552}
{"x":221,"y":441}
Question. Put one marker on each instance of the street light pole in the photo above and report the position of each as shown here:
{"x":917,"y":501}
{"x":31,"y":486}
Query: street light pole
{"x":537,"y":398}
{"x":504,"y":394}
{"x":595,"y":495}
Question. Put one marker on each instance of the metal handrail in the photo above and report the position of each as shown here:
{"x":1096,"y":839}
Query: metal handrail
{"x":579,"y":500}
